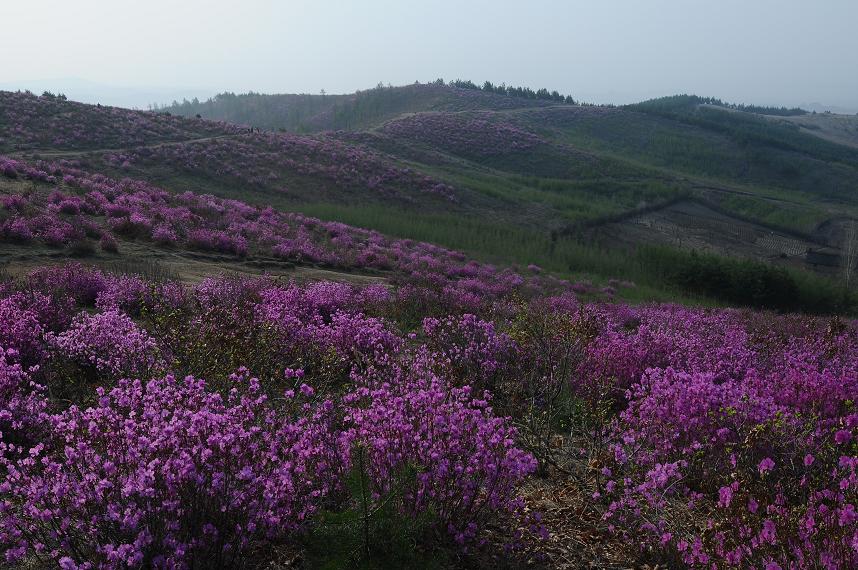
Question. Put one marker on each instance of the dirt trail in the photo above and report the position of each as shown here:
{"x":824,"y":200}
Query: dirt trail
{"x":186,"y":266}
{"x":80,"y":152}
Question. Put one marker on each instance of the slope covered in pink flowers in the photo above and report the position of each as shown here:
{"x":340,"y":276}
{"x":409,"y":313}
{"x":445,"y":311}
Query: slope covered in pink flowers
{"x":149,"y":423}
{"x":445,"y":412}
{"x":29,"y":121}
{"x":70,"y":210}
{"x":411,"y":162}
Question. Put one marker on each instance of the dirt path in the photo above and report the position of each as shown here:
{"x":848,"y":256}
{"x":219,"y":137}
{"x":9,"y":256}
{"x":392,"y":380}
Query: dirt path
{"x":80,"y":152}
{"x":186,"y":266}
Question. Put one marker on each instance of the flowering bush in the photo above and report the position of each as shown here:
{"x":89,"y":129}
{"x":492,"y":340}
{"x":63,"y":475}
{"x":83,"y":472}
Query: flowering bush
{"x":22,"y":402}
{"x":467,"y":464}
{"x":110,"y":342}
{"x":127,"y":293}
{"x":471,"y":349}
{"x":734,"y":448}
{"x":167,"y":474}
{"x":83,"y":284}
{"x":20,"y":328}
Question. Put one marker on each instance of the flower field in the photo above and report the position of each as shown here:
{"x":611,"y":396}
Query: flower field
{"x":153,"y":423}
{"x":69,"y":207}
{"x":467,"y":135}
{"x":268,"y":160}
{"x":147,"y":421}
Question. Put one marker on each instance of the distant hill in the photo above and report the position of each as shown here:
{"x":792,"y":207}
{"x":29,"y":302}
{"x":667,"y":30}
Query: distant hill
{"x":363,"y":109}
{"x":679,"y":102}
{"x":817,"y":107}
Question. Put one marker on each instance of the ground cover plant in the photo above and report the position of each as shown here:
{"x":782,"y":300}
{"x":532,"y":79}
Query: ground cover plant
{"x":242,"y":412}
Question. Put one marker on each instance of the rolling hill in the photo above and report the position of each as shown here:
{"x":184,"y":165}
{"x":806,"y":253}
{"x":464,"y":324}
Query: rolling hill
{"x":684,"y":140}
{"x":507,"y":179}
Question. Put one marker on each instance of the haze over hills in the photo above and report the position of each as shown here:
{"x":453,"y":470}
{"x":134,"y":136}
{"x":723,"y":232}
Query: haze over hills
{"x":818,"y":107}
{"x":93,"y":92}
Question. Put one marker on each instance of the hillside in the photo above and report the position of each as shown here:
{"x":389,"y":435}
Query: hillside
{"x":742,"y":150}
{"x":432,"y":343}
{"x":598,"y":163}
{"x":507,"y":179}
{"x":840,"y":129}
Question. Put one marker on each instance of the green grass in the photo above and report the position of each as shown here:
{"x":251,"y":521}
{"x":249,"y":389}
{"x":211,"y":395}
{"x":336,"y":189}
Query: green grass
{"x":803,"y":218}
{"x":660,"y":273}
{"x":733,"y":148}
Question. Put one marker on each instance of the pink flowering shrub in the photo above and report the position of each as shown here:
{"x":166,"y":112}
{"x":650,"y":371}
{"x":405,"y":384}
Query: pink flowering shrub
{"x":127,"y":293}
{"x":108,"y":243}
{"x":163,"y":234}
{"x":20,"y":328}
{"x":356,"y":337}
{"x":82,"y":283}
{"x":22,"y":402}
{"x":217,"y":241}
{"x":471,"y":349}
{"x":737,"y":450}
{"x":16,"y":230}
{"x":110,"y":343}
{"x":467,"y":465}
{"x":689,"y":440}
{"x":314,"y":324}
{"x":167,"y":474}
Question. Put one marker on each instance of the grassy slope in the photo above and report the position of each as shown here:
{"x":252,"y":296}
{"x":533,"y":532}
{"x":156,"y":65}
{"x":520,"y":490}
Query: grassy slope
{"x":596,"y":163}
{"x":640,"y":151}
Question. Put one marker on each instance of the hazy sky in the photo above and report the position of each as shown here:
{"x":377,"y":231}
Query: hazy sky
{"x":783,"y":52}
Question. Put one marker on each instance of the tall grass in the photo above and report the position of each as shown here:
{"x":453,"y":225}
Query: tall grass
{"x":661,"y":273}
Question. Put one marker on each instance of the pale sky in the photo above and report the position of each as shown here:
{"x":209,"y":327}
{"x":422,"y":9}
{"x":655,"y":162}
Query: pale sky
{"x":781,"y":52}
